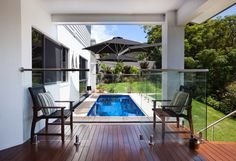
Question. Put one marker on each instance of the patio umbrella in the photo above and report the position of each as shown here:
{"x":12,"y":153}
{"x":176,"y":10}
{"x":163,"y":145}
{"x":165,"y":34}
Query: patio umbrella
{"x":143,"y":47}
{"x":113,"y":46}
{"x":116,"y":58}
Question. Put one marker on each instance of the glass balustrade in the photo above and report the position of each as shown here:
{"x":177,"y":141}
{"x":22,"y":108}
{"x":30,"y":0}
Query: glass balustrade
{"x":147,"y":86}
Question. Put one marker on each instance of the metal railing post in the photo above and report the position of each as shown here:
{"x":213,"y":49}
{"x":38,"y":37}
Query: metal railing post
{"x":213,"y":133}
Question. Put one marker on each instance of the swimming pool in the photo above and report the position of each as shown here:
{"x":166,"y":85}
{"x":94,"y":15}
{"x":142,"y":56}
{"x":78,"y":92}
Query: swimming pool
{"x":115,"y":105}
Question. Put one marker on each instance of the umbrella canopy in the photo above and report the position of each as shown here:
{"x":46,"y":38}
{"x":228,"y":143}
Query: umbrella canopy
{"x":116,"y":58}
{"x":114,"y":46}
{"x":139,"y":48}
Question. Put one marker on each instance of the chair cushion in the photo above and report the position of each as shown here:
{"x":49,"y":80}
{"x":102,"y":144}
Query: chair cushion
{"x":180,"y":99}
{"x":46,"y":100}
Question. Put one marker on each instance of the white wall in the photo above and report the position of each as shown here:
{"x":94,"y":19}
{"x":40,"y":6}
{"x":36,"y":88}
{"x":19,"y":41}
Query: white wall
{"x":11,"y":98}
{"x":71,"y":90}
{"x":17,"y":18}
{"x":32,"y":15}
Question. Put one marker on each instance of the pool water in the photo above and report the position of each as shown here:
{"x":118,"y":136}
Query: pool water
{"x":115,"y":105}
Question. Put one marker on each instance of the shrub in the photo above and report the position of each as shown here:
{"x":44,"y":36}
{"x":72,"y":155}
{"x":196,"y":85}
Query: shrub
{"x":126,"y":69}
{"x":144,"y":65}
{"x":106,"y":69}
{"x":189,"y":63}
{"x":213,"y":103}
{"x":229,"y":98}
{"x":134,"y":70}
{"x":118,"y":68}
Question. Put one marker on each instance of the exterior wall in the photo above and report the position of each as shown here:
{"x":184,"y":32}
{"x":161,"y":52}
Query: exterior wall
{"x":11,"y":97}
{"x":32,"y":15}
{"x":70,"y":90}
{"x":18,"y":17}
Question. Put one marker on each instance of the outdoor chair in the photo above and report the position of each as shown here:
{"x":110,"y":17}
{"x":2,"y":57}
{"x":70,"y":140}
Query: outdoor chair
{"x":44,"y":107}
{"x":179,"y":106}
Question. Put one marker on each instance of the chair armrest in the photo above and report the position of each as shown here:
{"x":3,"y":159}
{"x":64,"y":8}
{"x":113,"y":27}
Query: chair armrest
{"x":40,"y":107}
{"x":66,"y":101}
{"x":186,"y":107}
{"x":70,"y":102}
{"x":161,"y":100}
{"x":173,"y":106}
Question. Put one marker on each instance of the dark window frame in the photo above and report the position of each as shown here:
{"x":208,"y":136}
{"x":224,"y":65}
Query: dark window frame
{"x":59,"y":77}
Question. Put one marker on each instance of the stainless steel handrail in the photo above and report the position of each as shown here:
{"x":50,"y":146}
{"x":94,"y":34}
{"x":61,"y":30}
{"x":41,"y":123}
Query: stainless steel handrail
{"x":176,"y":70}
{"x":216,"y":122}
{"x":51,"y":69}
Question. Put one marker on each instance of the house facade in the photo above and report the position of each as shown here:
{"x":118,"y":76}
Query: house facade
{"x":57,"y":20}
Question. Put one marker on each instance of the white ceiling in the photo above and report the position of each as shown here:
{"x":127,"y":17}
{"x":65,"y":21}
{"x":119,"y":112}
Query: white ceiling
{"x":112,"y":6}
{"x":196,"y":11}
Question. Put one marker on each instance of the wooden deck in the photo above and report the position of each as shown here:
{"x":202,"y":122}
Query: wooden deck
{"x":117,"y":142}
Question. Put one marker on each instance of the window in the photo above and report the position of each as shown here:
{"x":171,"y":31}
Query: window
{"x":47,"y":53}
{"x":83,"y":76}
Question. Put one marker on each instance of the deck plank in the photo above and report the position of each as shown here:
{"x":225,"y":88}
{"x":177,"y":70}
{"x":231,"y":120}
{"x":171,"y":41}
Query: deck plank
{"x":117,"y":142}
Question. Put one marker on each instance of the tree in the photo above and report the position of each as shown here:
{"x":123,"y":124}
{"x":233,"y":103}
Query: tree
{"x":190,"y":63}
{"x":210,"y":45}
{"x":154,"y":36}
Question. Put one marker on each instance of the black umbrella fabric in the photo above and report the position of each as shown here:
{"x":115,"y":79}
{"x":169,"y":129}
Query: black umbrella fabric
{"x":139,"y":48}
{"x":116,"y":58}
{"x":113,"y":46}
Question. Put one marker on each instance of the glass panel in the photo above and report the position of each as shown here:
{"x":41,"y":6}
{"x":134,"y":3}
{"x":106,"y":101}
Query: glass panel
{"x":52,"y":59}
{"x":223,"y":131}
{"x":83,"y":87}
{"x":199,"y":107}
{"x":144,"y":87}
{"x":64,"y":64}
{"x":37,"y":56}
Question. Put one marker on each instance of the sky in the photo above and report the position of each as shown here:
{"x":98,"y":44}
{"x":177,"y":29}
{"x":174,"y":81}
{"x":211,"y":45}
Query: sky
{"x":133,"y":32}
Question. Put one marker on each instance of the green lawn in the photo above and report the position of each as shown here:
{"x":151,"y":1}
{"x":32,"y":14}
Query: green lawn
{"x":130,"y":87}
{"x":225,"y":131}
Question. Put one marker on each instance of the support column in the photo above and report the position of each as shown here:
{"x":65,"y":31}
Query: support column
{"x":172,"y":54}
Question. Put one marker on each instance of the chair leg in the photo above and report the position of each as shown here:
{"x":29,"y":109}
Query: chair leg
{"x":191,"y":124}
{"x":46,"y":124}
{"x":163,"y":128}
{"x":32,"y":130}
{"x":71,"y":121}
{"x":177,"y":119}
{"x":154,"y":120}
{"x":62,"y":126}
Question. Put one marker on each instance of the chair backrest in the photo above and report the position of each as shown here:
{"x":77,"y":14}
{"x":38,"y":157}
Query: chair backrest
{"x":181,"y":99}
{"x":34,"y":91}
{"x":190,"y":90}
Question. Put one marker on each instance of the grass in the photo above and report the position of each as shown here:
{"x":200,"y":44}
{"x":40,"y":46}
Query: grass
{"x":224,"y":131}
{"x":130,"y":87}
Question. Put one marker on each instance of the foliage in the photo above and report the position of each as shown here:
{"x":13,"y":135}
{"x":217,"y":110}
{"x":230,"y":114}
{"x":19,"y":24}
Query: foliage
{"x":144,"y":65}
{"x":106,"y":69}
{"x":126,"y":69}
{"x":118,"y":68}
{"x":229,"y":98}
{"x":210,"y":45}
{"x":142,"y":56}
{"x":154,"y":36}
{"x":190,"y":63}
{"x":134,"y":70}
{"x":212,"y":102}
